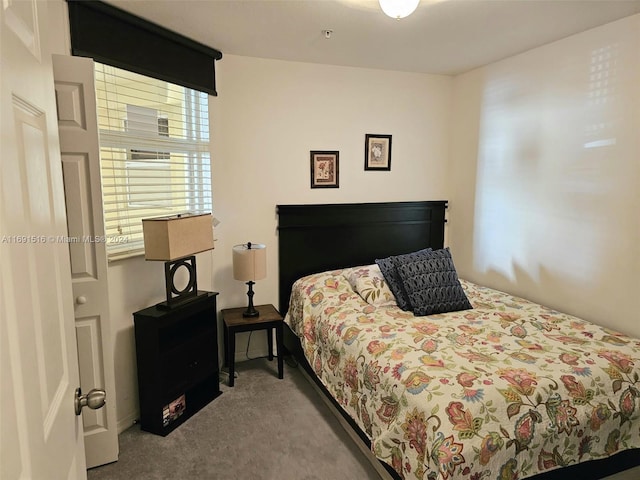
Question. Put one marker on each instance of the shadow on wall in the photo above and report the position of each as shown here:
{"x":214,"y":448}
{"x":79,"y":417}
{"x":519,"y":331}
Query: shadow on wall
{"x":565,"y":298}
{"x":554,"y":215}
{"x":134,"y":284}
{"x":127,"y":379}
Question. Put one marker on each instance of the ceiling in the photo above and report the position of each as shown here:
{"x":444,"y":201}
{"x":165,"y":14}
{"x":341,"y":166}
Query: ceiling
{"x":441,"y":37}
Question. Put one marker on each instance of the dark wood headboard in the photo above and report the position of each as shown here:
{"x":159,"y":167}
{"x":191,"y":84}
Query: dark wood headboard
{"x":317,"y":238}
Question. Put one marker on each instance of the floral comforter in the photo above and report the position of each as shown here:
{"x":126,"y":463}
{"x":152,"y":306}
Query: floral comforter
{"x":506,"y":390}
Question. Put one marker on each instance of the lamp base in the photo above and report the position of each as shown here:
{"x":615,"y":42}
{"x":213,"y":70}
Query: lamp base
{"x":248,"y":313}
{"x":175,"y":295}
{"x":179,"y":303}
{"x":251,"y":310}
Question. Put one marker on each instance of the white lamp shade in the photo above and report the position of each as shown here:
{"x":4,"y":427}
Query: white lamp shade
{"x":249,"y":264}
{"x":398,"y":8}
{"x":173,"y":237}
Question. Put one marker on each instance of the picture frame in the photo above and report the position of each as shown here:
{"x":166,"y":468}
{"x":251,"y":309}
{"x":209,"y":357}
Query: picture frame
{"x":173,"y":410}
{"x":325,"y":169}
{"x":377,"y":152}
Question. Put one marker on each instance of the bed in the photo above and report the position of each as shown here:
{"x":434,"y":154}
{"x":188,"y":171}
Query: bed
{"x":501,"y":388}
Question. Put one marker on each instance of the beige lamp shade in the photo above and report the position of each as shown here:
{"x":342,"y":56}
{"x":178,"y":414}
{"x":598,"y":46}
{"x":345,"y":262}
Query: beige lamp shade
{"x":177,"y":236}
{"x":249,"y":262}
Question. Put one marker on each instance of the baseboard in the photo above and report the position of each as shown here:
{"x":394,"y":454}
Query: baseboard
{"x":127,"y":422}
{"x":255,"y":353}
{"x":257,"y":345}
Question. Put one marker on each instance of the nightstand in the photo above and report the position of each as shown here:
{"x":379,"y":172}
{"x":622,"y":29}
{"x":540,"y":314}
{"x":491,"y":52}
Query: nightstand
{"x":234,"y":322}
{"x":177,"y":360}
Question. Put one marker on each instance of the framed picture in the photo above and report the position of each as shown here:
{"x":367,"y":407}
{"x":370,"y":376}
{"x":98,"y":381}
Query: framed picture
{"x":325,"y":169}
{"x":173,"y":410}
{"x":377,"y":152}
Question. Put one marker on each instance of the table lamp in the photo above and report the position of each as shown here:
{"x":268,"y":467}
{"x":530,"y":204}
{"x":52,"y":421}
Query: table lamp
{"x":175,"y":240}
{"x":249,"y":265}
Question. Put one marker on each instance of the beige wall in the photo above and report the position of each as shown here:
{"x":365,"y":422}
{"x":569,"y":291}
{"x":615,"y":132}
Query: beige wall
{"x":545,"y":175}
{"x":270,"y":114}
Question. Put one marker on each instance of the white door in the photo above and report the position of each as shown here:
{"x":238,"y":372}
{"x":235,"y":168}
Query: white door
{"x":41,"y":436}
{"x":79,"y":145}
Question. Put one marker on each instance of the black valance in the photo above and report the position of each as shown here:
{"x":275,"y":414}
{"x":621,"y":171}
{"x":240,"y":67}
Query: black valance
{"x":114,"y":37}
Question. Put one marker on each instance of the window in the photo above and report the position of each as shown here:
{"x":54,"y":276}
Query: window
{"x":154,"y":154}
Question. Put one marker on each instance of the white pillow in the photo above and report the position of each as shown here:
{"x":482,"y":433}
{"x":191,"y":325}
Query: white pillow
{"x":368,"y":282}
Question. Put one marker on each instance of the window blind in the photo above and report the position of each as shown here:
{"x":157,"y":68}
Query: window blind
{"x":154,"y":153}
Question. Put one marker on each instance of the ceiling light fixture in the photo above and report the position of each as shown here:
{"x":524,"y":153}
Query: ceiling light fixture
{"x":398,"y":8}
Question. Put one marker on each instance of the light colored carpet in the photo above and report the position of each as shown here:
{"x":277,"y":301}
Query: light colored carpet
{"x":261,"y":429}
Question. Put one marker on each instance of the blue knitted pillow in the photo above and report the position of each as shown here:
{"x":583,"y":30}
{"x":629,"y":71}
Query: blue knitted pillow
{"x":432,"y":284}
{"x":388,"y":267}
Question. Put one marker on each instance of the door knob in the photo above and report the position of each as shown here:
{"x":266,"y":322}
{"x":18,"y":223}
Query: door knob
{"x":94,"y":399}
{"x":81,"y":300}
